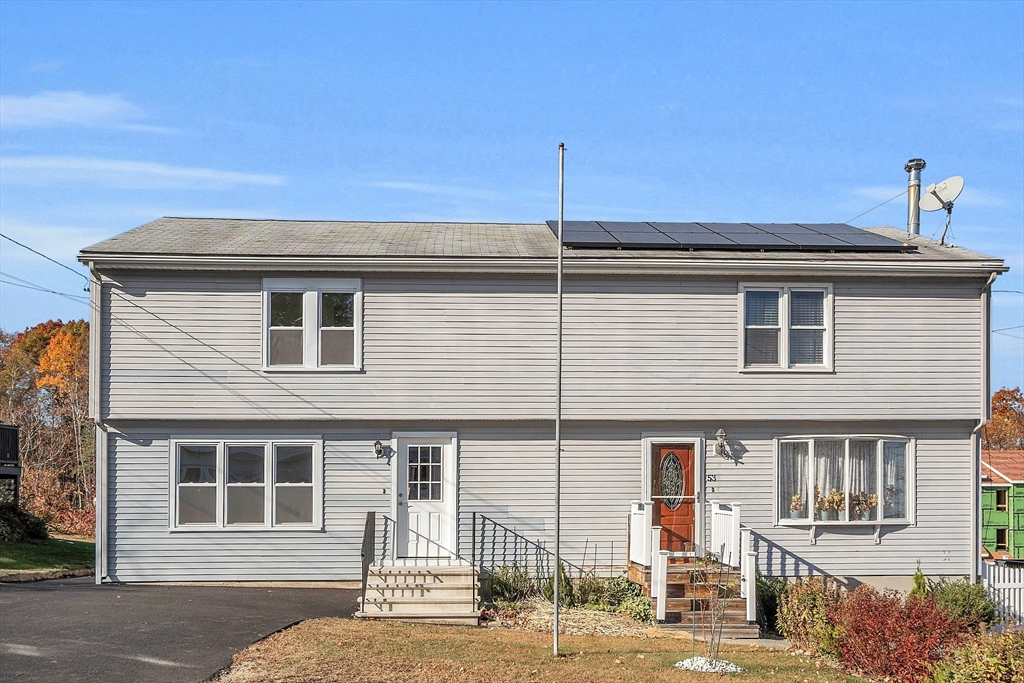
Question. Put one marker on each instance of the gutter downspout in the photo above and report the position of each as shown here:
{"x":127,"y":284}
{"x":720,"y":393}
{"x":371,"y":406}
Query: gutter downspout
{"x":986,"y":413}
{"x":95,"y":377}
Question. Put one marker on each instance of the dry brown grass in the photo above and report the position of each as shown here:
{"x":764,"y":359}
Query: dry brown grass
{"x":350,"y":650}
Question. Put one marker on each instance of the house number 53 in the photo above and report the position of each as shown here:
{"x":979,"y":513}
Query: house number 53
{"x":712,"y":477}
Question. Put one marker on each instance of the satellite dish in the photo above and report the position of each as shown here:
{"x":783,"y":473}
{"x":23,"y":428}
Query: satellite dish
{"x":941,"y":196}
{"x":938,"y":195}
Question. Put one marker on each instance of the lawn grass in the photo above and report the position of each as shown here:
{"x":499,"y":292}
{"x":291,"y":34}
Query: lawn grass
{"x":337,"y":649}
{"x":46,"y":555}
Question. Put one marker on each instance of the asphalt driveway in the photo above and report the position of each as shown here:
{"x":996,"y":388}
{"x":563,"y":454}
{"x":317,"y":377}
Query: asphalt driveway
{"x":73,"y":630}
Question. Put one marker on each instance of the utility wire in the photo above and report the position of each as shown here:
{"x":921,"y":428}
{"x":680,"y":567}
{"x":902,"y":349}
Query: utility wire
{"x":1008,"y":291}
{"x":52,"y":260}
{"x":1002,"y":329}
{"x":875,"y":207}
{"x":28,"y":284}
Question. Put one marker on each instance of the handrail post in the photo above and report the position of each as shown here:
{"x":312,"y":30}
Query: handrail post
{"x":735,"y":559}
{"x":472,"y":545}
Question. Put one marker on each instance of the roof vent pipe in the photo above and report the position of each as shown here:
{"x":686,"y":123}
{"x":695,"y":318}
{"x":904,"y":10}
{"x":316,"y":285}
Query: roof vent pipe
{"x":914,"y":167}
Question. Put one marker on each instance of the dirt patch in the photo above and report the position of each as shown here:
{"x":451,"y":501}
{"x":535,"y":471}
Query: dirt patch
{"x":365,"y":651}
{"x":538,"y":615}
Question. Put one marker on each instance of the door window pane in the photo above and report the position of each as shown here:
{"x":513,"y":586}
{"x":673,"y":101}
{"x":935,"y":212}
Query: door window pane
{"x":424,"y":477}
{"x":197,"y":464}
{"x":286,"y":309}
{"x":793,"y":472}
{"x":245,"y":504}
{"x":829,"y":492}
{"x":197,"y":505}
{"x":294,"y":464}
{"x":337,"y":347}
{"x":863,"y":480}
{"x":894,"y":479}
{"x":293,"y":505}
{"x":245,"y":464}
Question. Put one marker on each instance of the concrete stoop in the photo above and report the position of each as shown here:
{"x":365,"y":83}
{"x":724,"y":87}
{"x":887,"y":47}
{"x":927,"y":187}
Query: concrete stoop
{"x":438,"y":595}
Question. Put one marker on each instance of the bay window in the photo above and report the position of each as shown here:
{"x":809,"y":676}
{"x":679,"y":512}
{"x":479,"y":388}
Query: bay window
{"x":244,"y":484}
{"x":312,"y":324}
{"x":848,"y":480}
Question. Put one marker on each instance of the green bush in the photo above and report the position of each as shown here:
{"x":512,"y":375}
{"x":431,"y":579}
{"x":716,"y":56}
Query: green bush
{"x":619,"y":589}
{"x":566,"y":596}
{"x":964,"y":599}
{"x":590,"y":591}
{"x":805,"y":614}
{"x":18,"y":526}
{"x":991,"y":658}
{"x":769,"y":593}
{"x":511,"y":584}
{"x":637,"y":608}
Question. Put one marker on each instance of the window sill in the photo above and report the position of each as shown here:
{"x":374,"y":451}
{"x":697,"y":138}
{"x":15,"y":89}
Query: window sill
{"x":828,"y":523}
{"x":234,"y":528}
{"x":282,"y":369}
{"x":817,"y":369}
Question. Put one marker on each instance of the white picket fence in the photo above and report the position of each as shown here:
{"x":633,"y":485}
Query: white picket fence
{"x":1005,"y":583}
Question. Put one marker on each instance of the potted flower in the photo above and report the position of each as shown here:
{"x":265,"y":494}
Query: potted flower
{"x":864,"y":505}
{"x":830,"y":505}
{"x":796,"y":507}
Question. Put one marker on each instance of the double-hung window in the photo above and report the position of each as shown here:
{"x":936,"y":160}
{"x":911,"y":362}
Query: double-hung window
{"x":786,"y":327}
{"x":838,"y":479}
{"x":312,"y":324}
{"x":245,"y":484}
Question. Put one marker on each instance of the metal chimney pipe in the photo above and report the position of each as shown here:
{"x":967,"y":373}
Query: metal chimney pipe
{"x":914,"y":167}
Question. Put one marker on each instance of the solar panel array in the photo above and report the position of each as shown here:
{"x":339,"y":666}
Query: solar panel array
{"x":729,"y":236}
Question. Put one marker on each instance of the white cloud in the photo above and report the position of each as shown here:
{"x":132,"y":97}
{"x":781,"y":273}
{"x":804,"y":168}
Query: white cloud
{"x":49,"y":109}
{"x":40,"y":170}
{"x":59,"y":241}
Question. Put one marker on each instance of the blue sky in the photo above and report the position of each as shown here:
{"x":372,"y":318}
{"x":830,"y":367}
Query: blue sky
{"x":114,"y":114}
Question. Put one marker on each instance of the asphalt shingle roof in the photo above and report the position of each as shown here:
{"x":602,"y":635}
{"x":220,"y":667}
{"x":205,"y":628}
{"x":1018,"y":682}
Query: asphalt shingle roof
{"x":1009,"y":464}
{"x":245,"y":237}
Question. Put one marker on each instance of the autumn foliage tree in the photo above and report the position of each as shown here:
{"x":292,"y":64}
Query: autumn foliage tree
{"x":44,"y":389}
{"x":1005,"y":431}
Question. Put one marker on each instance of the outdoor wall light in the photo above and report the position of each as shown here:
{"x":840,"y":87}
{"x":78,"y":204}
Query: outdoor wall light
{"x":378,"y":448}
{"x":720,"y":446}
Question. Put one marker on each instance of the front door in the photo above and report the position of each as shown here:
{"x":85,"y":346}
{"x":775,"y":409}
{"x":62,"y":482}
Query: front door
{"x":672,"y":484}
{"x":425,"y":509}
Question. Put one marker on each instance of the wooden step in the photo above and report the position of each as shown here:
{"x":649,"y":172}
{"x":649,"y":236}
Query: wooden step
{"x":727,"y":631}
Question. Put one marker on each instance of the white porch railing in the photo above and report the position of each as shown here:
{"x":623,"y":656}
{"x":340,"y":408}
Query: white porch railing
{"x":725,"y":532}
{"x":1005,"y":583}
{"x":659,"y":573}
{"x":639,"y":532}
{"x":748,"y":572}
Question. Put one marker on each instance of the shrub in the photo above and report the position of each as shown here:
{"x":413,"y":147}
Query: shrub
{"x":637,"y":608}
{"x":619,"y":589}
{"x":805,"y":612}
{"x":565,"y":588}
{"x":769,"y":592}
{"x":991,"y":658}
{"x":964,"y":599}
{"x":881,"y":635}
{"x":511,"y":584}
{"x":18,"y":526}
{"x":590,"y":590}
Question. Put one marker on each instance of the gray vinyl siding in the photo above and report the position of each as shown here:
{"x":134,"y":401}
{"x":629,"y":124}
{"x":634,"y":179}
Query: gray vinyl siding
{"x":506,"y":472}
{"x":188,"y":345}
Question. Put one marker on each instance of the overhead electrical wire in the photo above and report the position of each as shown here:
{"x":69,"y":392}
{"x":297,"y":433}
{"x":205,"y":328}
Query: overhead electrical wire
{"x":51,"y":260}
{"x":875,"y":207}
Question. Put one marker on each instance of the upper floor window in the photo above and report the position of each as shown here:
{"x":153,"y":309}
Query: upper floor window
{"x":1002,"y":499}
{"x":786,"y":327}
{"x":312,"y":324}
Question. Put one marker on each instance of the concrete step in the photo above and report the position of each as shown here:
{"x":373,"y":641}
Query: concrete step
{"x":467,"y":599}
{"x":420,"y":589}
{"x":461,"y":618}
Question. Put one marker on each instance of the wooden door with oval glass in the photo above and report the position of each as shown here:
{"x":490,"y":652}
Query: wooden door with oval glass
{"x":672,"y":492}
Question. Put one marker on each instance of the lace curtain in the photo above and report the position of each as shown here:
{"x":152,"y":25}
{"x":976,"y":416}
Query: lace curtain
{"x":828,"y":478}
{"x":894,"y":479}
{"x":793,"y":470}
{"x":863,"y":480}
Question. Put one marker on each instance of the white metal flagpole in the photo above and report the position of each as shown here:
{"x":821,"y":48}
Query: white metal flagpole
{"x":558,"y":397}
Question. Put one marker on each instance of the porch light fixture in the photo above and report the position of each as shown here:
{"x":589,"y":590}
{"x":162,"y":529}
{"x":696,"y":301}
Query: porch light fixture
{"x":378,"y":448}
{"x":720,"y":446}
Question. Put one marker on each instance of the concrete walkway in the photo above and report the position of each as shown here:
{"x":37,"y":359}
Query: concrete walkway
{"x":71,"y":630}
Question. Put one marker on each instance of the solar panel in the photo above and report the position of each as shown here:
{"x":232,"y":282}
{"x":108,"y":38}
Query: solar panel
{"x":724,"y":236}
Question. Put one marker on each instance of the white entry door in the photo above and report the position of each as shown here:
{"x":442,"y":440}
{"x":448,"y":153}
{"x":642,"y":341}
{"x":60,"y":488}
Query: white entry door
{"x":426,"y":505}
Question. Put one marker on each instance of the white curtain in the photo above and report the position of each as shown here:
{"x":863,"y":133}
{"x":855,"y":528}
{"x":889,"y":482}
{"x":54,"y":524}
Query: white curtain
{"x":863,"y":479}
{"x":894,"y":479}
{"x":828,"y":469}
{"x":793,"y":469}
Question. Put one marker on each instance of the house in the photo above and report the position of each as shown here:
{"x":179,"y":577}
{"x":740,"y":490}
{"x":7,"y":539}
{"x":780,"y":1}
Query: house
{"x":260,"y":386}
{"x":1002,"y":504}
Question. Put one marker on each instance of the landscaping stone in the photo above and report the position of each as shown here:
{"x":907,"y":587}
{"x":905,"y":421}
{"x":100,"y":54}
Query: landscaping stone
{"x":708,"y":666}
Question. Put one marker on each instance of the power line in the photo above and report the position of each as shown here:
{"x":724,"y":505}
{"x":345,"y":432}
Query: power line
{"x":1008,"y":291}
{"x":39,"y":253}
{"x":27,"y":284}
{"x":1002,"y":329}
{"x":875,"y":207}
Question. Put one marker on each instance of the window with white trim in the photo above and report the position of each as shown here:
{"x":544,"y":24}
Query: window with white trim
{"x":786,"y":327}
{"x":312,"y":324}
{"x":844,"y":480}
{"x":243,"y":484}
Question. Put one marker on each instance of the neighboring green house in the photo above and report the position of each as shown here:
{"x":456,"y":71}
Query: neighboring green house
{"x":1002,"y":503}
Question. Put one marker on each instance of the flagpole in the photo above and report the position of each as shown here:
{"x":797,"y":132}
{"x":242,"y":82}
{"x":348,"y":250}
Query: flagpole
{"x":558,"y":397}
